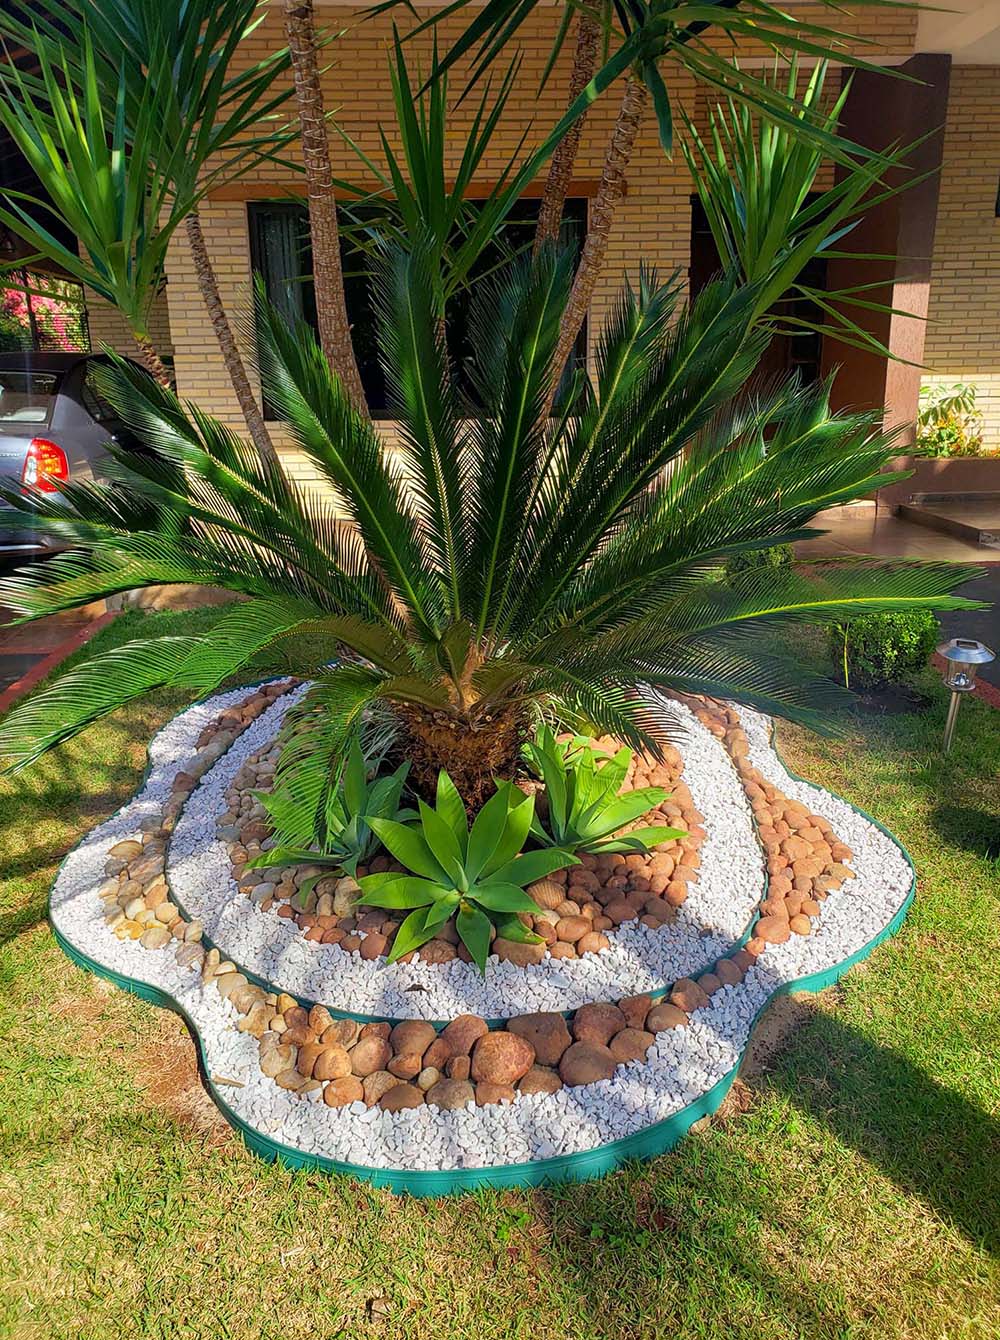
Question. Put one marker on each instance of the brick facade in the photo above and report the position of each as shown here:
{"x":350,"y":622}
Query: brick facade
{"x":654,"y":220}
{"x":963,"y":326}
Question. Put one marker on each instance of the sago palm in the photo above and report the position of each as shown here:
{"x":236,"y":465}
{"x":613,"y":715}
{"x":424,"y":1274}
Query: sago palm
{"x":496,"y":564}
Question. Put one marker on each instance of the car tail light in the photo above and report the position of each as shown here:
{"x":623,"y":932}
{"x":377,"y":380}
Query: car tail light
{"x":44,"y":464}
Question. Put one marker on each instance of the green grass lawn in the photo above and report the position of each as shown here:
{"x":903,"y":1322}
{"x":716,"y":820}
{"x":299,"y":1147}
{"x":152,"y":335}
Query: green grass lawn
{"x":852,"y":1191}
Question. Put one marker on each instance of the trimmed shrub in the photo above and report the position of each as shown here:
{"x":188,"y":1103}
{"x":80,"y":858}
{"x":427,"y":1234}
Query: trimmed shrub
{"x":883,"y":648}
{"x":778,"y":556}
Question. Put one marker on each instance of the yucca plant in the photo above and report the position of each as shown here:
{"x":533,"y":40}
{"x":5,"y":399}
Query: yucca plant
{"x":756,"y":181}
{"x":103,"y":178}
{"x":495,"y":563}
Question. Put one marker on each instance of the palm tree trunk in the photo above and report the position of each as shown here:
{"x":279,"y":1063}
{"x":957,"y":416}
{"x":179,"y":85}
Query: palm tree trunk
{"x":563,"y":160}
{"x":154,"y":364}
{"x":209,"y":285}
{"x":328,"y":277}
{"x":602,"y":217}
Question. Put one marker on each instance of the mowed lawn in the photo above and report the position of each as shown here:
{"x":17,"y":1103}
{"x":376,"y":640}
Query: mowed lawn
{"x":852,"y":1189}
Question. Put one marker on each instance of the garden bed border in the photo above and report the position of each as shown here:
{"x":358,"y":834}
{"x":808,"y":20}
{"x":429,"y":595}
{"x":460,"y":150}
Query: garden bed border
{"x":647,"y":1143}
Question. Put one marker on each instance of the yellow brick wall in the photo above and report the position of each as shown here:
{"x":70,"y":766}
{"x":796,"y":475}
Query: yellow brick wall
{"x":963,"y":326}
{"x":108,"y":327}
{"x":653,"y":223}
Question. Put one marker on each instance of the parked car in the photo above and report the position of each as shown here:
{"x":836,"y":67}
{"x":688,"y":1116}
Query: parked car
{"x":54,"y":425}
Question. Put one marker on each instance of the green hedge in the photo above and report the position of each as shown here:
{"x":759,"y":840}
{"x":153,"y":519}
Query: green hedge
{"x":778,"y":556}
{"x":883,"y":648}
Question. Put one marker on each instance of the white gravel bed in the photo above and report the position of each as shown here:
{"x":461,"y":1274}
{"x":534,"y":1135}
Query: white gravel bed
{"x":709,"y":923}
{"x":680,"y":1066}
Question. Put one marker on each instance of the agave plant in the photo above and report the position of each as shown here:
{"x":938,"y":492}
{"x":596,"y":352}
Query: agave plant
{"x":585,"y":808}
{"x":476,"y":875}
{"x":494,"y":561}
{"x":343,"y":839}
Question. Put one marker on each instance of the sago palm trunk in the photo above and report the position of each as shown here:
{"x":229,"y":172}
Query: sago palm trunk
{"x":473,"y":753}
{"x":328,"y":277}
{"x":209,"y":285}
{"x":602,"y":217}
{"x":564,"y":159}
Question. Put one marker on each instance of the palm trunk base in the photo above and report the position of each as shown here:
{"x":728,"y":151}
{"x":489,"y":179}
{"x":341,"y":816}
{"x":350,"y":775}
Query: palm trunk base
{"x":473,"y":755}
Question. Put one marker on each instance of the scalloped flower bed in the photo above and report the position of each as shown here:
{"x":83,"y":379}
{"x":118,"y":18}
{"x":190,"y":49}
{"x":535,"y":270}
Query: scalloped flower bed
{"x":424,"y":1076}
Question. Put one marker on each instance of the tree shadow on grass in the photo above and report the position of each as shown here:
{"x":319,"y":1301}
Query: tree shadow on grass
{"x":932,"y":1141}
{"x":687,"y":1234}
{"x":976,"y":831}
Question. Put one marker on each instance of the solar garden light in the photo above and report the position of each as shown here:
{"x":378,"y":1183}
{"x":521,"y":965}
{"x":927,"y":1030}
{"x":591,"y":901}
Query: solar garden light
{"x":962,"y":658}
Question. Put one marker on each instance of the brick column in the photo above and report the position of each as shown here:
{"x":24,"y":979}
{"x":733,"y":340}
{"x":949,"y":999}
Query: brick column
{"x":880,"y":111}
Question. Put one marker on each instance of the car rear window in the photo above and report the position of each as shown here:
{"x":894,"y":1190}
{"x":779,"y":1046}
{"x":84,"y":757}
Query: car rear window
{"x":27,"y":397}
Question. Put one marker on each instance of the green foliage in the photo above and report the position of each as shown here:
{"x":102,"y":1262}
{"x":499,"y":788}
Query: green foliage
{"x":883,"y":649}
{"x":750,"y":560}
{"x":477,"y":875}
{"x":421,"y":196}
{"x":584,"y":805}
{"x":132,"y":117}
{"x":756,"y":180}
{"x":343,"y":838}
{"x":643,"y":38}
{"x":948,"y":422}
{"x":106,"y":185}
{"x":495,"y":560}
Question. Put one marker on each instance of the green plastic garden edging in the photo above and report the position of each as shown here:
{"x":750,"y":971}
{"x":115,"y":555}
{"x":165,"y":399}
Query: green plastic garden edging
{"x":653,"y":1140}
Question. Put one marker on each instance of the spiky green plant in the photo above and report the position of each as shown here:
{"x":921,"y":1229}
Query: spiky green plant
{"x":494,"y":561}
{"x":756,"y":181}
{"x":476,"y":875}
{"x":343,"y":838}
{"x":585,"y":809}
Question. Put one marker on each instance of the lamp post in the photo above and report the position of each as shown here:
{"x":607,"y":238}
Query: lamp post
{"x":962,"y":657}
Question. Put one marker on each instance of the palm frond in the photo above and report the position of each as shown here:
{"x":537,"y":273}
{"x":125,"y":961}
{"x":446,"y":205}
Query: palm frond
{"x":87,"y":693}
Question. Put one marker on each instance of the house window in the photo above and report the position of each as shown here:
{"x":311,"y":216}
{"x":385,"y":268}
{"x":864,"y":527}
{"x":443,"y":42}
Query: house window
{"x":280,"y":253}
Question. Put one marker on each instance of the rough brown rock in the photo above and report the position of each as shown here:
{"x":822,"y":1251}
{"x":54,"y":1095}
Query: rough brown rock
{"x":486,"y":1093}
{"x":772,"y":930}
{"x":635,"y":1009}
{"x":546,"y":1032}
{"x":376,"y":1084}
{"x":463,"y":1032}
{"x":370,"y":1055}
{"x":459,"y":1067}
{"x":593,"y":942}
{"x":631,"y":1044}
{"x":512,"y":951}
{"x":340,"y":1092}
{"x":540,"y":1079}
{"x":333,"y":1062}
{"x":728,"y":973}
{"x":412,"y":1036}
{"x":275,"y":1059}
{"x":688,"y":995}
{"x":400,"y":1096}
{"x":586,"y":1063}
{"x":501,"y":1058}
{"x":407,"y":1065}
{"x":451,"y":1094}
{"x":665,"y":1016}
{"x":597,"y":1024}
